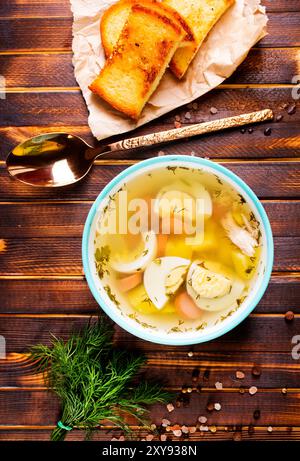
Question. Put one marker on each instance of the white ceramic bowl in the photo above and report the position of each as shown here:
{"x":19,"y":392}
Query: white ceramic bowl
{"x":162,"y":332}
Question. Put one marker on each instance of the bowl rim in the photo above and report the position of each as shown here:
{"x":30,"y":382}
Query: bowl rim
{"x":152,"y":336}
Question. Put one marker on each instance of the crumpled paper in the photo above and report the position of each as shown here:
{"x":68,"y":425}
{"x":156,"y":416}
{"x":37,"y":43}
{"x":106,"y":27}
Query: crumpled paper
{"x":225,"y":48}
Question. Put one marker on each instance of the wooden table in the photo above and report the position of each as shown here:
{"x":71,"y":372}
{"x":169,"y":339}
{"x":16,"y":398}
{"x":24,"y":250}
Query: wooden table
{"x":42,"y":286}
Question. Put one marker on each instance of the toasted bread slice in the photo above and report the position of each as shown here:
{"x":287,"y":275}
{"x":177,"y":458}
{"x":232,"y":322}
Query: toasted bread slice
{"x":114,"y":18}
{"x":139,"y":60}
{"x":201,"y":16}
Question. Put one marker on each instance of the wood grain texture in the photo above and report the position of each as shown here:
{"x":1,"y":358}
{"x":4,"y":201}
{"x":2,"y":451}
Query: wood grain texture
{"x":55,"y":33}
{"x":224,"y":433}
{"x":283,"y":142}
{"x":74,"y":297}
{"x":267,"y":179}
{"x":251,"y":335}
{"x":51,"y":256}
{"x":40,"y":232}
{"x":262,"y":66}
{"x":46,"y":219}
{"x":175,"y":370}
{"x":21,"y":8}
{"x":68,"y":107}
{"x":42,"y":408}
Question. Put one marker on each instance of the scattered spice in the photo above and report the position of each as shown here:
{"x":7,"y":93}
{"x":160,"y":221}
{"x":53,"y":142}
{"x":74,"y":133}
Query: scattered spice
{"x":170,"y":407}
{"x":218,"y":406}
{"x":268,"y":131}
{"x":256,"y":414}
{"x":278,"y":118}
{"x":219,"y":385}
{"x":240,"y":375}
{"x":203,"y":428}
{"x":206,"y":375}
{"x":195,"y":374}
{"x":210,"y":406}
{"x":289,"y":316}
{"x":291,"y":109}
{"x":256,"y":371}
{"x":202,"y":419}
{"x":213,"y":110}
{"x":253,"y":390}
{"x":251,"y":429}
{"x":237,"y":436}
{"x":165,"y":422}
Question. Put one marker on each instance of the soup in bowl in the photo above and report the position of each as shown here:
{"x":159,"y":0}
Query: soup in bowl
{"x":177,"y":250}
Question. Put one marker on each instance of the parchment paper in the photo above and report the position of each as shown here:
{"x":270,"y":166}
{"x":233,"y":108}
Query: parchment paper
{"x":224,"y":49}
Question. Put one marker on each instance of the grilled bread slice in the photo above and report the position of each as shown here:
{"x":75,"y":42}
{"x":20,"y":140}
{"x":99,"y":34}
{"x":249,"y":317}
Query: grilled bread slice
{"x":114,"y":18}
{"x":201,"y":16}
{"x":139,"y":60}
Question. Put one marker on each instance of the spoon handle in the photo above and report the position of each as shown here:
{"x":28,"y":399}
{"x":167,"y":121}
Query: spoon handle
{"x":191,"y":130}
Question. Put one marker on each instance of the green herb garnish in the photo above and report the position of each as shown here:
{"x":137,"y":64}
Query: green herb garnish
{"x":111,"y":296}
{"x":93,"y":380}
{"x":242,"y":200}
{"x":172,"y":168}
{"x":102,"y":256}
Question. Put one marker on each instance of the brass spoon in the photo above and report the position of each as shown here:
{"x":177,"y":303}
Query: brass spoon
{"x":60,"y":159}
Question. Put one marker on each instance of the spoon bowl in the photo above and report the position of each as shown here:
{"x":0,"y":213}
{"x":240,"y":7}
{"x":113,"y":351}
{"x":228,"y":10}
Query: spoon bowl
{"x":50,"y":160}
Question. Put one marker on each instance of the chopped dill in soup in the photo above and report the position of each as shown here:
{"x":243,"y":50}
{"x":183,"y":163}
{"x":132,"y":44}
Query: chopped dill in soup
{"x":177,"y":246}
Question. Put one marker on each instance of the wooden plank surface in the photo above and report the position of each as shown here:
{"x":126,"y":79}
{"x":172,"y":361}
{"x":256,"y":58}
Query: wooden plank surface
{"x":41,"y":408}
{"x":283,"y":181}
{"x":175,"y":369}
{"x":262,"y":66}
{"x":223,"y":433}
{"x":50,"y":256}
{"x":42,"y":287}
{"x":283,"y":142}
{"x":67,"y":296}
{"x":61,"y":219}
{"x":63,"y":107}
{"x":251,"y":335}
{"x":21,"y":8}
{"x":55,"y":33}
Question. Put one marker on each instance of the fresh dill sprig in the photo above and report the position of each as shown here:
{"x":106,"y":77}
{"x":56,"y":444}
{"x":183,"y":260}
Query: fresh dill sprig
{"x":93,"y":380}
